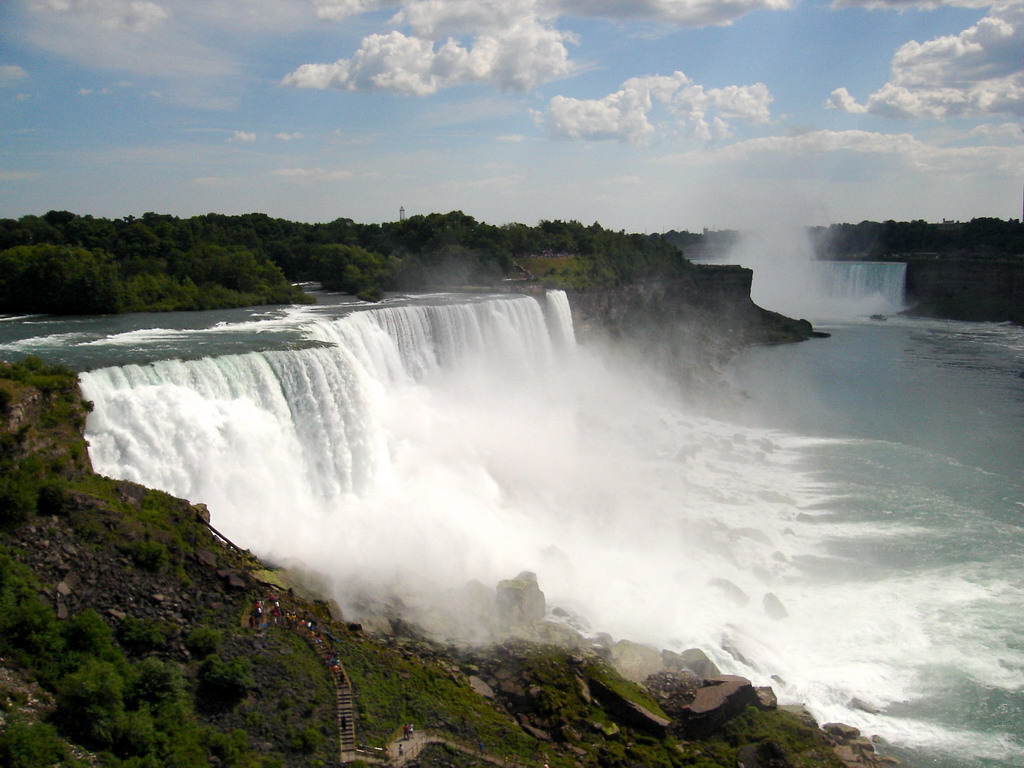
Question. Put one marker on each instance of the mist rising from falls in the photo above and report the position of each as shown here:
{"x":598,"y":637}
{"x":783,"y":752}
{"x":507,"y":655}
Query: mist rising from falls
{"x":423,"y":447}
{"x":788,"y":278}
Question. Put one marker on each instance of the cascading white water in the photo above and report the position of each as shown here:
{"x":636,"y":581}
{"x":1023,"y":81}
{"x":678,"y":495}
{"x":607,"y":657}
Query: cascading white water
{"x":425,"y":446}
{"x":788,"y":278}
{"x":882,"y":282}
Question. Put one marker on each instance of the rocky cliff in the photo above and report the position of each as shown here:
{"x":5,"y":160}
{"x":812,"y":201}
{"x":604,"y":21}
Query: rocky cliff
{"x":691,"y":323}
{"x":978,"y":289}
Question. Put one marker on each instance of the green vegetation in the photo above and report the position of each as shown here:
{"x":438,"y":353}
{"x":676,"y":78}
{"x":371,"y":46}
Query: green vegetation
{"x":898,"y":239}
{"x":67,"y":264}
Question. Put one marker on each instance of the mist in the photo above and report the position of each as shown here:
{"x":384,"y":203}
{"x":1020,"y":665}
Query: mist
{"x":789,"y":279}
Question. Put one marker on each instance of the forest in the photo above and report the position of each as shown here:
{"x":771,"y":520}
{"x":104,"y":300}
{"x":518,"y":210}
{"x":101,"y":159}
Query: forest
{"x":69,"y":264}
{"x":63,"y":263}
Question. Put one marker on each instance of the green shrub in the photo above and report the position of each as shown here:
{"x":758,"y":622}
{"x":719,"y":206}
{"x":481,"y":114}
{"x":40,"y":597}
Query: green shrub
{"x":307,"y":740}
{"x":229,"y":680}
{"x":139,"y":636}
{"x":155,"y":682}
{"x":202,"y":641}
{"x":149,"y":555}
{"x":88,"y":633}
{"x":35,"y":745}
{"x":90,"y":702}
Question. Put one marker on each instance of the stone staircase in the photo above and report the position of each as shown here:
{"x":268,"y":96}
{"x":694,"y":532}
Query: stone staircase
{"x":346,"y":717}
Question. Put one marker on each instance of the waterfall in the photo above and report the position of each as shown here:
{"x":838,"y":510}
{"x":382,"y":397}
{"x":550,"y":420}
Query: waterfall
{"x":558,"y":306}
{"x":412,"y":449}
{"x":865,"y":280}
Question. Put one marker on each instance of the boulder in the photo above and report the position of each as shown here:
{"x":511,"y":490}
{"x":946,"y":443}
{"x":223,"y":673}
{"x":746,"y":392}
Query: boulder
{"x":767,"y":754}
{"x":773,"y":607}
{"x":766,"y":698}
{"x":692,"y":659}
{"x":481,"y":687}
{"x":636,"y":662}
{"x":520,"y":600}
{"x":720,"y":700}
{"x":629,"y":712}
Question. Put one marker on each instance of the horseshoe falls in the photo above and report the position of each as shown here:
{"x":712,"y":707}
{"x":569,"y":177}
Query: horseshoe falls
{"x":870,"y":484}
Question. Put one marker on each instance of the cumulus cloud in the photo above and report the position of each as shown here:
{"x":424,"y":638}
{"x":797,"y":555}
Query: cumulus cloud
{"x":688,"y":13}
{"x":517,"y":58}
{"x":243,"y":137}
{"x":978,"y":72}
{"x":625,"y":115}
{"x":1011,"y":132}
{"x":11,"y":74}
{"x":287,"y":136}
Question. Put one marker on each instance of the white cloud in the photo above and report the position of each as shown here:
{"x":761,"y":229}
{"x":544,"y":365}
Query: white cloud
{"x":337,"y":10}
{"x":313,"y":174}
{"x":975,"y":73}
{"x":137,"y":16}
{"x":899,"y":5}
{"x":688,"y":13}
{"x":625,"y":115}
{"x":11,"y":74}
{"x":512,"y":138}
{"x":288,"y":136}
{"x":518,"y":58}
{"x":243,"y":137}
{"x":1012,"y":132}
{"x":904,"y":150}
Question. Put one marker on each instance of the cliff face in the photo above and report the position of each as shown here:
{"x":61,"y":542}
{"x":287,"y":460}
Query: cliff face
{"x":967,"y":289}
{"x":692,"y":323}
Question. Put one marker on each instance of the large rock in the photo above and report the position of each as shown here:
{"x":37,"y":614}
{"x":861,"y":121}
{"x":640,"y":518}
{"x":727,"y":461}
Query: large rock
{"x":636,"y":662}
{"x":720,"y":700}
{"x":628,"y":712}
{"x":520,"y":600}
{"x":692,"y":659}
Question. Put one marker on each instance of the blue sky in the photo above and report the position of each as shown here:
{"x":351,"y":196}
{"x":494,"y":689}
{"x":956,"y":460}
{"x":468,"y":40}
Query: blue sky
{"x":644,"y":115}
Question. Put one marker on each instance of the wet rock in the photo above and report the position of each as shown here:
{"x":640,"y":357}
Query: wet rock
{"x":766,"y":698}
{"x":520,"y":600}
{"x":730,"y":591}
{"x":206,"y":557}
{"x":718,"y":701}
{"x":692,"y":659}
{"x":767,"y":754}
{"x":627,"y":711}
{"x":773,"y":607}
{"x":636,"y":662}
{"x":481,"y":687}
{"x":841,"y":731}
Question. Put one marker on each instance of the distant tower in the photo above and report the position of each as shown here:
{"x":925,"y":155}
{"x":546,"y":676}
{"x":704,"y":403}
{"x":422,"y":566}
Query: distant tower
{"x":401,"y":213}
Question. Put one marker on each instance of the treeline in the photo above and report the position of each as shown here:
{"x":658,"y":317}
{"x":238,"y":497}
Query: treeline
{"x":894,"y":239}
{"x":64,"y":263}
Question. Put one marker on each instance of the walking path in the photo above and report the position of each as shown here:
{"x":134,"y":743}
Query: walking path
{"x":401,"y":751}
{"x":403,"y":748}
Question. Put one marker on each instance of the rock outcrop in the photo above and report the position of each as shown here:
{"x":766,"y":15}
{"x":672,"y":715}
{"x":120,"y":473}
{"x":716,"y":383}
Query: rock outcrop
{"x":520,"y":600}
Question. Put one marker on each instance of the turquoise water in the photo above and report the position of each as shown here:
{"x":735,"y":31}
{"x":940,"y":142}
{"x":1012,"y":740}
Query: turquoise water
{"x":924,"y":465}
